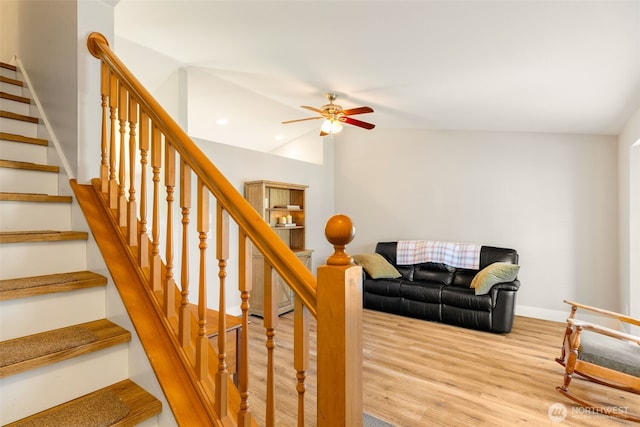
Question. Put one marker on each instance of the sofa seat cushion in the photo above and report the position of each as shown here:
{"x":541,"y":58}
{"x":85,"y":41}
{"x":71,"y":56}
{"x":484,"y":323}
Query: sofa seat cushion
{"x":387,"y":287}
{"x":465,"y":298}
{"x":421,"y":291}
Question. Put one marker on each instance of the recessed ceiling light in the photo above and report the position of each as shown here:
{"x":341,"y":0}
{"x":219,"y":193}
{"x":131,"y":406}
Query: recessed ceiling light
{"x":222,"y":121}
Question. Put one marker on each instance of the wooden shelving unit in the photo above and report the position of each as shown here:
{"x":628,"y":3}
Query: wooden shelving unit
{"x":282,"y":206}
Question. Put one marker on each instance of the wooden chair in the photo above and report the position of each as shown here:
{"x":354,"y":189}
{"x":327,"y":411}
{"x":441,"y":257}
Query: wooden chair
{"x":602,"y":355}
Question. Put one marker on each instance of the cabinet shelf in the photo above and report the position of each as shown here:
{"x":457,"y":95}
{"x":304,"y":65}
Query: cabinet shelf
{"x":273,"y":200}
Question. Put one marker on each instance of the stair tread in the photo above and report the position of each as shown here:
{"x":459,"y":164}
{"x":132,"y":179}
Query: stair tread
{"x":111,"y":403}
{"x":20,"y":138}
{"x":34,"y":197}
{"x":16,"y":116}
{"x":8,"y":66}
{"x":16,"y":98}
{"x":4,"y":79}
{"x":50,"y":283}
{"x":13,"y":164}
{"x":41,"y":236}
{"x":33,"y":351}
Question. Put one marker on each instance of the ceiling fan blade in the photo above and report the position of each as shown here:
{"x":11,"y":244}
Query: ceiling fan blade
{"x":302,"y":120}
{"x":314,"y":109}
{"x":359,"y":110}
{"x":358,"y":123}
{"x":323,"y":133}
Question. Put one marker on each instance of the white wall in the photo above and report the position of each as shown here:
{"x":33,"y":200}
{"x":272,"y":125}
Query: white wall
{"x":551,"y":197}
{"x":45,"y":41}
{"x":240,"y":165}
{"x":629,"y":190}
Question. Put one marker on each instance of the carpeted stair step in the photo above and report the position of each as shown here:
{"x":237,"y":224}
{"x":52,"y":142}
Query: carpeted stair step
{"x":121,"y":404}
{"x":33,"y":351}
{"x":48,"y":284}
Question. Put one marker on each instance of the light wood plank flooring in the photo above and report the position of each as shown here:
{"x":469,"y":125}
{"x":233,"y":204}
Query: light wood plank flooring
{"x":419,"y":373}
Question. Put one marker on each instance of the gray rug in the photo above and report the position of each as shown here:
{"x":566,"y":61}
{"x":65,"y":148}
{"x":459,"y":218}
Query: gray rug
{"x":371,"y":421}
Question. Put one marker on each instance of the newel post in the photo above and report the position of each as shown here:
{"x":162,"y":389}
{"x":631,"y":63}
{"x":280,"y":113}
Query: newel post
{"x":339,"y":299}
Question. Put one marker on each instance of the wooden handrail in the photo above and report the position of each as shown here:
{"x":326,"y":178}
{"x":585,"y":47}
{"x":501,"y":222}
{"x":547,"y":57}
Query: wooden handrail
{"x":275,"y":250}
{"x":139,"y":176}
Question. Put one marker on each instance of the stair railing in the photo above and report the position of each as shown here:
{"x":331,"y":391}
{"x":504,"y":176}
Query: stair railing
{"x":146,"y":158}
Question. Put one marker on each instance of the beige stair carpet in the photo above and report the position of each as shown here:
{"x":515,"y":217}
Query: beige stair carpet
{"x":33,"y":346}
{"x":100,"y":409}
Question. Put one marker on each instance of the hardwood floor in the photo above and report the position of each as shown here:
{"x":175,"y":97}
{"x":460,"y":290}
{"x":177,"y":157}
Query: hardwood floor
{"x":419,"y":373}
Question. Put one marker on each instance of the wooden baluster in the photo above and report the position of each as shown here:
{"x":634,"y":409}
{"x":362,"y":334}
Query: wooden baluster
{"x":270,"y":323}
{"x":170,"y":183}
{"x":156,"y":159}
{"x":113,"y":103}
{"x":132,"y":207}
{"x":122,"y":117}
{"x":143,"y":237}
{"x":245,"y":259}
{"x":202,"y":343}
{"x":222,"y":254}
{"x":184,"y":332}
{"x":104,"y":95}
{"x":300,"y":352}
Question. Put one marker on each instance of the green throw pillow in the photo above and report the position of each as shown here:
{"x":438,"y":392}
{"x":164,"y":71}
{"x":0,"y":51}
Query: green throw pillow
{"x":376,"y":266}
{"x":498,"y":272}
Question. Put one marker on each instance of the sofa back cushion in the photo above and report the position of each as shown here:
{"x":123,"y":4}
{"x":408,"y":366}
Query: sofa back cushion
{"x":441,"y":273}
{"x":434,"y":272}
{"x":491,"y":254}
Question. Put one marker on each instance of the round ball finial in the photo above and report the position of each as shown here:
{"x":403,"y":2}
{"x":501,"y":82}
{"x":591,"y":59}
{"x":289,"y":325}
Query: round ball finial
{"x":339,"y":231}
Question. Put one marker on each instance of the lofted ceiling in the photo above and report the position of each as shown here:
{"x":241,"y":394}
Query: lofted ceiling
{"x":512,"y":65}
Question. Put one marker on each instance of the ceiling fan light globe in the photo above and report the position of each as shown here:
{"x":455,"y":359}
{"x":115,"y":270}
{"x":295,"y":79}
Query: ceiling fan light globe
{"x":331,"y":126}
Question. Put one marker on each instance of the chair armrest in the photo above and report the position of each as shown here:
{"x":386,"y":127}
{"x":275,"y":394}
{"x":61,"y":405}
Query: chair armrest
{"x":603,"y":330}
{"x":613,"y":314}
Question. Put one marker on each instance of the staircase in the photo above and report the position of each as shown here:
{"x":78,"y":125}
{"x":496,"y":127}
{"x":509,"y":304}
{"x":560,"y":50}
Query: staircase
{"x":61,"y":361}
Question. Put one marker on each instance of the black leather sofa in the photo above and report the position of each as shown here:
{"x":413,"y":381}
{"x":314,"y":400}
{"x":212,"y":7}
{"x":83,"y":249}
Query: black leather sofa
{"x":442,"y":293}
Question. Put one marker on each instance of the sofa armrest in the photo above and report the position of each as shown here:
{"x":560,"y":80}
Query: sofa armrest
{"x":508,"y":286}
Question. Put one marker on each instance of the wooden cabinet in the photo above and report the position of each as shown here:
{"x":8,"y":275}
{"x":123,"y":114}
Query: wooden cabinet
{"x":282,"y":206}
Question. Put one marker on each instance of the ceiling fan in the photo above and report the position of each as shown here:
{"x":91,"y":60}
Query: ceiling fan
{"x":334,"y":116}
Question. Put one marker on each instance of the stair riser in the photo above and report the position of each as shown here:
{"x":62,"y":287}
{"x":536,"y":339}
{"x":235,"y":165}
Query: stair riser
{"x":28,"y":181}
{"x":19,"y":127}
{"x":34,"y":216}
{"x":33,"y":391}
{"x":11,"y":88}
{"x":14,"y":106}
{"x":5,"y":72}
{"x":21,"y":152}
{"x":27,"y":316}
{"x":40,"y":258}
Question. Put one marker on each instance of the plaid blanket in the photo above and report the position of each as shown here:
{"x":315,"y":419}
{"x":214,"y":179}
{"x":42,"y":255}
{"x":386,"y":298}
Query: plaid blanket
{"x":459,"y":255}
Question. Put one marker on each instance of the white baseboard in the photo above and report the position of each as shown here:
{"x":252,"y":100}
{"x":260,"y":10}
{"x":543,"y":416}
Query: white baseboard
{"x":542,"y":313}
{"x":561,"y":315}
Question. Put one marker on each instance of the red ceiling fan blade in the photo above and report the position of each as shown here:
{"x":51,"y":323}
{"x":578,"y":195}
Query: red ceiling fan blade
{"x":302,"y":120}
{"x":358,"y":123}
{"x":359,"y":110}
